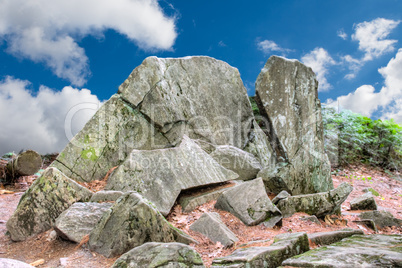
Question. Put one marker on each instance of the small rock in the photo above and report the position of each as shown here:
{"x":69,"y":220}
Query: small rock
{"x":211,"y":225}
{"x":63,"y":262}
{"x":104,"y":196}
{"x":368,"y":223}
{"x":52,"y":236}
{"x":155,"y":255}
{"x":381,"y":218}
{"x":374,"y":192}
{"x":312,"y":219}
{"x":280,"y":196}
{"x":364,"y":202}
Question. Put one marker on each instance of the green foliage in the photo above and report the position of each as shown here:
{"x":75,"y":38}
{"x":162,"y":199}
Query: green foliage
{"x":361,"y":139}
{"x":254,"y":106}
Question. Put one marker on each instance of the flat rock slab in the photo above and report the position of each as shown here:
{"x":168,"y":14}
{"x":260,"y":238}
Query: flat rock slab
{"x":319,"y":204}
{"x":363,"y":202}
{"x":285,"y":246}
{"x":250,"y":203}
{"x":79,"y":220}
{"x":381,"y":218}
{"x":10,"y":263}
{"x":160,"y":175}
{"x":211,"y":225}
{"x":131,"y":222}
{"x":327,"y":238}
{"x":43,"y":202}
{"x":280,"y":196}
{"x":105,"y":196}
{"x":357,"y":251}
{"x":160,"y":255}
{"x":243,"y":163}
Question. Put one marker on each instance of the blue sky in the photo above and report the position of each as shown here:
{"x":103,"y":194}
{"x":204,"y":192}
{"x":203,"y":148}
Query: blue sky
{"x":62,"y":56}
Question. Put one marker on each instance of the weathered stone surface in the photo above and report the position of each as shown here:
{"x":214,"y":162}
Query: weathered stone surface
{"x":357,"y":251}
{"x":160,"y":255}
{"x":201,"y":97}
{"x":10,"y":263}
{"x":211,"y":225}
{"x":79,"y":220}
{"x":160,"y":175}
{"x":312,"y":219}
{"x":381,"y":218}
{"x":250,"y":203}
{"x":260,"y":146}
{"x":131,"y":222}
{"x":364,"y":202}
{"x":107,"y":139}
{"x":43,"y":202}
{"x":237,"y":160}
{"x":103,"y":196}
{"x":286,"y":93}
{"x":285,"y":246}
{"x":327,"y":238}
{"x":280,"y":196}
{"x":319,"y":204}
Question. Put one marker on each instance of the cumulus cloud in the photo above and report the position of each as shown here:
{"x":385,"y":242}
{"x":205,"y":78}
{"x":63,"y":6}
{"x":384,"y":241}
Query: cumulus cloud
{"x":372,"y":37}
{"x":268,"y":46}
{"x":47,"y":31}
{"x":319,"y":60}
{"x":388,"y":100}
{"x":41,"y":121}
{"x":341,"y":33}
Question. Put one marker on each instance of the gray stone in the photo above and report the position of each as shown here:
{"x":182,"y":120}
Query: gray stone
{"x":319,"y":204}
{"x":43,"y":202}
{"x":364,"y":202}
{"x":10,"y":263}
{"x":331,"y":141}
{"x":104,"y":196}
{"x":357,"y":251}
{"x":206,"y":146}
{"x":312,"y":219}
{"x":250,"y":203}
{"x":368,"y":223}
{"x":131,"y":222}
{"x":371,"y":190}
{"x":237,"y":160}
{"x":79,"y":220}
{"x":211,"y":225}
{"x":160,"y":255}
{"x":160,"y":175}
{"x":327,"y":238}
{"x":286,"y":93}
{"x":284,"y":247}
{"x":280,"y":196}
{"x":381,"y":218}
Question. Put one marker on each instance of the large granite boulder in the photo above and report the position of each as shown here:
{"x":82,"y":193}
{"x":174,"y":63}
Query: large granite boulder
{"x":159,"y":102}
{"x":160,"y":255}
{"x":211,"y":225}
{"x":358,"y":251}
{"x":131,"y":222}
{"x":285,"y":246}
{"x":160,"y":175}
{"x":286,"y":93}
{"x":79,"y":220}
{"x":243,"y":163}
{"x":43,"y":202}
{"x":250,"y":203}
{"x":319,"y":204}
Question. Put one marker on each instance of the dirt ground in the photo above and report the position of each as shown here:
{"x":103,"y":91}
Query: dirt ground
{"x":59,"y":253}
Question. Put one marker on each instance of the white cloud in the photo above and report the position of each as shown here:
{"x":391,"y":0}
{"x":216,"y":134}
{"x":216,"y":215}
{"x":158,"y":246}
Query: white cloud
{"x":341,"y":33}
{"x":37,"y":121}
{"x":354,"y":65}
{"x":372,"y":37}
{"x":388,"y":100}
{"x":319,"y":60}
{"x":268,"y":46}
{"x":47,"y":31}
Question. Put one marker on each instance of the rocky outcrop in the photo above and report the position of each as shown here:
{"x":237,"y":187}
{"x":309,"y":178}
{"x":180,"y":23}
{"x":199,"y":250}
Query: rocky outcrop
{"x":131,"y":222}
{"x":211,"y":225}
{"x":160,"y":175}
{"x":43,"y":202}
{"x":319,"y":204}
{"x":237,"y":160}
{"x":156,"y":255}
{"x":79,"y":220}
{"x":328,"y":238}
{"x":357,"y":251}
{"x":285,"y":246}
{"x":363,"y":202}
{"x":250,"y":203}
{"x":381,"y":218}
{"x":286,"y":93}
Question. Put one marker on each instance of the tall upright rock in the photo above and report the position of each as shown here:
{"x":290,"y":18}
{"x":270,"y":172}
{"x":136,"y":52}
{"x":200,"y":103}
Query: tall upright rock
{"x":286,"y":93}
